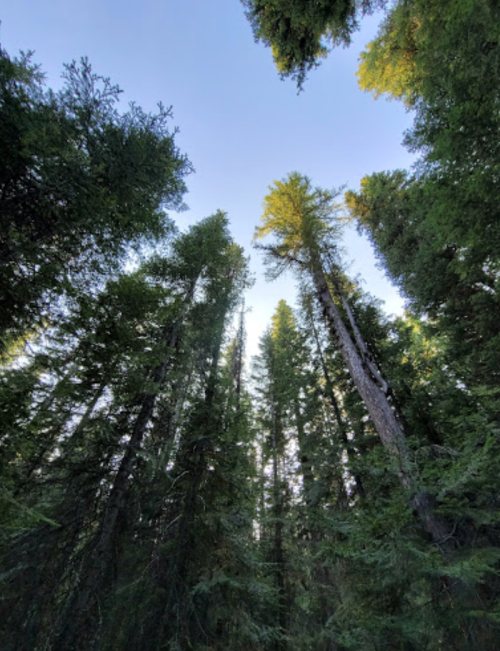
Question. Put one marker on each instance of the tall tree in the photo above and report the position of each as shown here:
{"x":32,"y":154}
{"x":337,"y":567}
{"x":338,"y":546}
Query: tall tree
{"x":298,"y":216}
{"x":448,"y":274}
{"x":106,"y":433}
{"x":79,"y":183}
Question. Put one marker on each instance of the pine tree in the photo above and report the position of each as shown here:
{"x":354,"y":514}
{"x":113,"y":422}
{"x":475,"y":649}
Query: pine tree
{"x":298,"y":215}
{"x":79,"y":184}
{"x":105,"y":438}
{"x":297,"y":32}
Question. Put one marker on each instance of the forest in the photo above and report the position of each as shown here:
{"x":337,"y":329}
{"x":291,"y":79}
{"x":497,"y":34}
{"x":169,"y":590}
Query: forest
{"x":339,"y":492}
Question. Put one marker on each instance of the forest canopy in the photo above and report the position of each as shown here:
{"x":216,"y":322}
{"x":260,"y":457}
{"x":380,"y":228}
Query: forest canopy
{"x":338,"y":494}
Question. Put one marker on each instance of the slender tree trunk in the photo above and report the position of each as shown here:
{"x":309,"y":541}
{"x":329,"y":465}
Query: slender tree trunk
{"x":194,"y":462}
{"x":349,"y":448}
{"x":304,"y":458}
{"x":84,"y":421}
{"x":81,"y":623}
{"x":237,"y":361}
{"x":363,"y":348}
{"x":278,"y":553}
{"x":164,"y":431}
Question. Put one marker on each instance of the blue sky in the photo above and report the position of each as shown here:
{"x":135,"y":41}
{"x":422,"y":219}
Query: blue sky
{"x":241,"y":126}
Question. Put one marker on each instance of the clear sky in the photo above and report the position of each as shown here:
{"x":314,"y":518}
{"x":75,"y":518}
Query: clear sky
{"x":240,"y":125}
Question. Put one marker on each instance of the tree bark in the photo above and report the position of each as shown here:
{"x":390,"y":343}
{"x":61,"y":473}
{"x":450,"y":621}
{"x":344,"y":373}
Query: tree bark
{"x":379,"y":409}
{"x":349,"y":447}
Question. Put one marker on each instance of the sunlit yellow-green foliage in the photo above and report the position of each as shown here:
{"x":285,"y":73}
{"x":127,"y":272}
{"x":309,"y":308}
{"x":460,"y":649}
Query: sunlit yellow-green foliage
{"x":298,"y":215}
{"x":434,"y":49}
{"x":373,"y":195}
{"x":354,"y":201}
{"x":14,"y":345}
{"x":388,"y":64}
{"x":285,"y":61}
{"x":426,"y":347}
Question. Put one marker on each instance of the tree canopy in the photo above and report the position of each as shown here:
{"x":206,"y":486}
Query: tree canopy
{"x":344,"y":495}
{"x":300,"y":31}
{"x":80,"y":182}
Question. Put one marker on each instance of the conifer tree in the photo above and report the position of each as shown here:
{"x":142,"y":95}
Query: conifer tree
{"x":447,"y":274}
{"x":79,"y":183}
{"x":298,"y":216}
{"x":299,"y":32}
{"x":106,"y":443}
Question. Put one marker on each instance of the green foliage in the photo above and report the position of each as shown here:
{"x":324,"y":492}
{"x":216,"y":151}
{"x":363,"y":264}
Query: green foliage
{"x":298,"y":31}
{"x":147,"y":499}
{"x":302,"y":220}
{"x":182,"y":538}
{"x":445,"y":266}
{"x":436,"y":232}
{"x":389,"y":63}
{"x":79,"y":183}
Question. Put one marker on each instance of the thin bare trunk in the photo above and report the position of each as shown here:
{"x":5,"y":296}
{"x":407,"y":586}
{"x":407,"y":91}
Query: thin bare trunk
{"x":349,"y":448}
{"x":278,"y":553}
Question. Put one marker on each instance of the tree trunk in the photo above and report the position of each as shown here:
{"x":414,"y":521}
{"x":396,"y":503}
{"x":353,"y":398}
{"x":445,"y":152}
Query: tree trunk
{"x":373,"y":395}
{"x":278,"y":553}
{"x":380,"y":411}
{"x":349,"y":447}
{"x":304,"y":457}
{"x":81,"y":621}
{"x":193,"y":460}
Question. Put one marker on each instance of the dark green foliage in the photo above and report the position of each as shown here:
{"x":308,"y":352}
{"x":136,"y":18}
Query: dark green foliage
{"x":393,"y":583}
{"x":79,"y":183}
{"x":130,"y":429}
{"x":147,"y":500}
{"x":436,"y":231}
{"x":448,"y":275}
{"x":298,"y":31}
